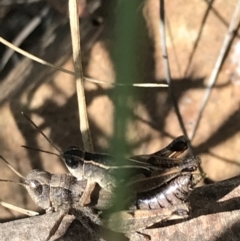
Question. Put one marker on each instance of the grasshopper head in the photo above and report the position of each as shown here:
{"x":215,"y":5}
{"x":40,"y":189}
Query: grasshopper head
{"x":37,"y":184}
{"x":74,"y":160}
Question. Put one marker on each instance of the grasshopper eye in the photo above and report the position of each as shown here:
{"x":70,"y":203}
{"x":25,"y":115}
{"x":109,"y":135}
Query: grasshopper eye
{"x":71,"y":161}
{"x":36,"y":187}
{"x":73,"y":157}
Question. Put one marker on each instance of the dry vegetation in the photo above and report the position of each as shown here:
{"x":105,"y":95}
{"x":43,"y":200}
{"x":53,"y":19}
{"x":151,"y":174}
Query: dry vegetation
{"x":195,"y":34}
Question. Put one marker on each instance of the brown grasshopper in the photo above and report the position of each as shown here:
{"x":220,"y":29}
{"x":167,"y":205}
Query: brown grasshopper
{"x":55,"y":192}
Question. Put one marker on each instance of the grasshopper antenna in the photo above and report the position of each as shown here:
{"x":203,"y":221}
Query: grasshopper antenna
{"x":36,"y":149}
{"x":10,"y":206}
{"x":38,"y":129}
{"x":18,"y":183}
{"x":18,"y":209}
{"x":12,"y":168}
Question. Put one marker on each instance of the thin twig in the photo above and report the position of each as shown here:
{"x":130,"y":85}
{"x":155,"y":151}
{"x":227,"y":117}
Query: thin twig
{"x":75,"y":34}
{"x":43,"y":62}
{"x":225,"y":47}
{"x":174,"y":47}
{"x":33,"y":57}
{"x":167,"y":68}
{"x":197,"y":41}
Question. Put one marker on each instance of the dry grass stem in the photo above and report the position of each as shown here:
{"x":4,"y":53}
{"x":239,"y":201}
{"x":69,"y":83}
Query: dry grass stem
{"x":77,"y":59}
{"x":102,"y":82}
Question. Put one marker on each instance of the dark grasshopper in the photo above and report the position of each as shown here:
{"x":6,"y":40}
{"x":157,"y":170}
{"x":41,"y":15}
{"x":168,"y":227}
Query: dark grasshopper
{"x":55,"y":192}
{"x":86,"y":165}
{"x":106,"y":170}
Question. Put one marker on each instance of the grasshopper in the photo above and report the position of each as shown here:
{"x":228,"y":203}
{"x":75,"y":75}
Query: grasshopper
{"x":108,"y":172}
{"x":84,"y":164}
{"x":54,"y":192}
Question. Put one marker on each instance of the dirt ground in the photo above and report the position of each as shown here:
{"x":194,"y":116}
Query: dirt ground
{"x":195,"y":33}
